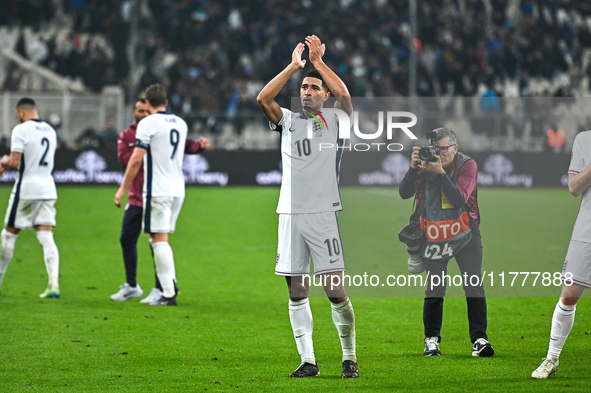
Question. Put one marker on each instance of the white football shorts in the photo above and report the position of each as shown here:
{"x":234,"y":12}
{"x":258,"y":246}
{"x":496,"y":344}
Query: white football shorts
{"x":578,"y":263}
{"x":161,"y":213}
{"x":302,"y":236}
{"x":26,"y":214}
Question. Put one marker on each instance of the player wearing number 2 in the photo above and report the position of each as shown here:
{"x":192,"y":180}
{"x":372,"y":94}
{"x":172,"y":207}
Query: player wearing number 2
{"x":576,"y":271}
{"x":449,"y":215}
{"x":160,"y":143}
{"x":309,"y":200}
{"x":31,"y":204}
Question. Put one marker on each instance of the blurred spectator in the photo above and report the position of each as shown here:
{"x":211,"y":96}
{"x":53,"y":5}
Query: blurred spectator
{"x":107,"y":137}
{"x":490,"y":108}
{"x":56,"y":122}
{"x":555,"y":139}
{"x":87,"y":140}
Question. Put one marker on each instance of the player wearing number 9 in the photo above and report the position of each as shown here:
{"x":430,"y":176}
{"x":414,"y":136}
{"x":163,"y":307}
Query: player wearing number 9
{"x":446,"y":192}
{"x":159,"y":136}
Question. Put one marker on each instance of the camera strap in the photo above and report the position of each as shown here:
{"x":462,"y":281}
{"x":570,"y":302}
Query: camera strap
{"x":417,"y":205}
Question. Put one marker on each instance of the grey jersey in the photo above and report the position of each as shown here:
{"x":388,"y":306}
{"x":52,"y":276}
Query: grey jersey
{"x":581,"y":159}
{"x":310,"y":163}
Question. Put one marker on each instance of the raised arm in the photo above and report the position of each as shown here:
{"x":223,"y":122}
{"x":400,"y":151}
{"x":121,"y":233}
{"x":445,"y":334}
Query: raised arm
{"x":335,"y":84}
{"x":266,"y":98}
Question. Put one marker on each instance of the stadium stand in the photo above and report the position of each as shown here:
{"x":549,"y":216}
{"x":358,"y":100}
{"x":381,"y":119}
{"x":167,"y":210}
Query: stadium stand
{"x":214,"y":56}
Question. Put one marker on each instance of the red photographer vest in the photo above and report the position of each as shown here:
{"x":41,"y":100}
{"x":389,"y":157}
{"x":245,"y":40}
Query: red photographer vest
{"x":447,"y":229}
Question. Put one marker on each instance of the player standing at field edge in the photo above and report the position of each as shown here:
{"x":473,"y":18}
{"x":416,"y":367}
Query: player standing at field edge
{"x":32,"y":202}
{"x":308,"y":203}
{"x":132,"y":219}
{"x":159,"y":138}
{"x":577,"y":264}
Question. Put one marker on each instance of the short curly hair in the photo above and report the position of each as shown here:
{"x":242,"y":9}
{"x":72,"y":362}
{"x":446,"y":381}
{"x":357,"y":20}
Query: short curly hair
{"x":313,"y":73}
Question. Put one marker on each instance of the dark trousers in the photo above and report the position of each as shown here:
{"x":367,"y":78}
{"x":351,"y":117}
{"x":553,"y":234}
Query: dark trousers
{"x":130,"y":232}
{"x":469,"y":261}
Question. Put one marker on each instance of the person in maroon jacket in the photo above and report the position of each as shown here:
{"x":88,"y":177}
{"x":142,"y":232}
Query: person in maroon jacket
{"x":132,"y":219}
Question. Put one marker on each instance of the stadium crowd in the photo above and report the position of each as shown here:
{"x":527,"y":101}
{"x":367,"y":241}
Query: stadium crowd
{"x":214,"y":56}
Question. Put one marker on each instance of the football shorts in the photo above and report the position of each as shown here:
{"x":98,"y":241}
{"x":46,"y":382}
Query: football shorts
{"x":305,"y":236}
{"x":26,"y":214}
{"x":161,"y":213}
{"x":578,"y":263}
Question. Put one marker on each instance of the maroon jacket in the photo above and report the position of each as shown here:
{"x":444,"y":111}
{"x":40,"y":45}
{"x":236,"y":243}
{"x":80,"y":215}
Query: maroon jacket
{"x":125,"y":146}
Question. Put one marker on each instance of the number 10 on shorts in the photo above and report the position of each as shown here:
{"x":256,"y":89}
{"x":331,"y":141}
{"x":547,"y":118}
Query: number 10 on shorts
{"x":333,"y":246}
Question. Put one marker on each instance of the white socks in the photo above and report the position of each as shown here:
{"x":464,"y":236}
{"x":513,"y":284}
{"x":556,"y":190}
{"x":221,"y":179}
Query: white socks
{"x":7,"y":241}
{"x":165,"y":270}
{"x":562,"y":323}
{"x":50,"y":256}
{"x":302,"y":324}
{"x":344,"y":320}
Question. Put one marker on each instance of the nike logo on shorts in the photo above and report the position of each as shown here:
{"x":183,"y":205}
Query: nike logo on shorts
{"x":333,"y":261}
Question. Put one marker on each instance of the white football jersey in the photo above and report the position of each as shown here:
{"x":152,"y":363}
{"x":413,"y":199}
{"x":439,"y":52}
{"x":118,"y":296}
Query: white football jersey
{"x":310,"y":181}
{"x":163,"y":135}
{"x":37,"y":141}
{"x":580,"y":160}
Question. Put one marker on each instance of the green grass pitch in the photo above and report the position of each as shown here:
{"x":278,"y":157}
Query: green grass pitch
{"x":231,"y":332}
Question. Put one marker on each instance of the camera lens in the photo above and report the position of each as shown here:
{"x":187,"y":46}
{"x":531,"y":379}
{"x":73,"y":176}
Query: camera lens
{"x":428,"y":153}
{"x":425,"y":153}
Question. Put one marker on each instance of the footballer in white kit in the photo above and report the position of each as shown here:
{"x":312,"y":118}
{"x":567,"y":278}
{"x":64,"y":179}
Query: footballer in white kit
{"x":32,"y":202}
{"x":309,"y":201}
{"x":163,"y":136}
{"x":160,"y":147}
{"x":578,"y":256}
{"x":576,"y":270}
{"x":309,"y":196}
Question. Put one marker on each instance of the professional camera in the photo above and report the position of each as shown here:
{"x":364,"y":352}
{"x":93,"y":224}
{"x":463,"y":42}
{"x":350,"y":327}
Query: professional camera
{"x":428,"y":153}
{"x":412,"y":235}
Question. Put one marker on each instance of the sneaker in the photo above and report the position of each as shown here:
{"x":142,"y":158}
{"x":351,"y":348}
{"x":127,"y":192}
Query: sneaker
{"x":155,"y":294}
{"x":547,"y":369}
{"x":482,"y":348}
{"x":350,"y":369}
{"x":127,"y":292}
{"x":306,"y":370}
{"x":50,"y":294}
{"x":431,"y":347}
{"x":165,"y":301}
